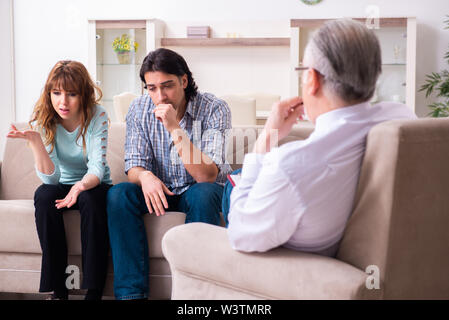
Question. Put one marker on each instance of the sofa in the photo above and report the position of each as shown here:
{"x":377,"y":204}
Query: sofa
{"x":395,"y":245}
{"x":20,"y":252}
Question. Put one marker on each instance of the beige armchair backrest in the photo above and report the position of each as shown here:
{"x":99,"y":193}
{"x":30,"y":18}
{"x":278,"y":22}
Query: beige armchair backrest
{"x":121,"y":104}
{"x":264,"y":101}
{"x":243,"y":110}
{"x":401,"y":212}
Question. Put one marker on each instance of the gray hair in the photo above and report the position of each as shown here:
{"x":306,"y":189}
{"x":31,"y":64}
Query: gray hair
{"x":347,"y":54}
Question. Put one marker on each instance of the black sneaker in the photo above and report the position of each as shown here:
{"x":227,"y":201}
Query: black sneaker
{"x":54,"y":297}
{"x":93,"y":294}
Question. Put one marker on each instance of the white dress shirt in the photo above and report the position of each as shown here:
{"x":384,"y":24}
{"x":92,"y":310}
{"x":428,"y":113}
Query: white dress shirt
{"x":300,"y":195}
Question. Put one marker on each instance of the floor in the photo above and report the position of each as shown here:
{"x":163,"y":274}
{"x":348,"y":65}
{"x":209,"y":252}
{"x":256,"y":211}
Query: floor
{"x":37,"y":296}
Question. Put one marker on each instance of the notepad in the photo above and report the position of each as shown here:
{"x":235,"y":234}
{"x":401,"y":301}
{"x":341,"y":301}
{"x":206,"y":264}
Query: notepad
{"x":234,"y":179}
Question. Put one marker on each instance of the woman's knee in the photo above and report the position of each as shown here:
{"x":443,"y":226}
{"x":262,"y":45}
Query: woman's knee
{"x":46,"y":193}
{"x":86,"y":197}
{"x":94,"y":196}
{"x":44,"y":201}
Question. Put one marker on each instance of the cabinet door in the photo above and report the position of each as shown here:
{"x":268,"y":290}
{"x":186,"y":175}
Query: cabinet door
{"x":397,"y":38}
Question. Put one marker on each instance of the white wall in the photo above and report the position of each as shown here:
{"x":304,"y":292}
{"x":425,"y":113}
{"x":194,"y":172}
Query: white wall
{"x":6,"y":73}
{"x":238,"y":70}
{"x":50,"y":30}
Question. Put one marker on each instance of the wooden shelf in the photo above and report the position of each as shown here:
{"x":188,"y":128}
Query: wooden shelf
{"x":383,"y":64}
{"x":315,"y":23}
{"x":121,"y":24}
{"x":119,"y":64}
{"x":222,"y":42}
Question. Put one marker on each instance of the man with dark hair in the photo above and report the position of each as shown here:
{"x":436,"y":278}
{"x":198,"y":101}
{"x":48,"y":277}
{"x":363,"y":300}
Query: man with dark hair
{"x":174,"y":159}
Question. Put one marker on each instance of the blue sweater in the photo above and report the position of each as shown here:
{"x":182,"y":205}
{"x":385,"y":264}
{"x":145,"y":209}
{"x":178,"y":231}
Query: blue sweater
{"x":70,"y":163}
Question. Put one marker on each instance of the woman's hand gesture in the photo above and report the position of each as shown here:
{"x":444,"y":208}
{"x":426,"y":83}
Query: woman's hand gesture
{"x":28,"y":134}
{"x":72,"y":196}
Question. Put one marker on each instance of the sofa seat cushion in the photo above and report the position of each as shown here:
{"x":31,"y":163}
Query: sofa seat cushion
{"x":18,"y":229}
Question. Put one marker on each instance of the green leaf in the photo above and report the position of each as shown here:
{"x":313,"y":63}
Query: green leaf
{"x":438,"y":82}
{"x":443,"y":90}
{"x":439,"y":109}
{"x":431,"y":81}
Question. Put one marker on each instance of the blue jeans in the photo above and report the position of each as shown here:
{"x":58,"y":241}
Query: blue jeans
{"x":226,"y":201}
{"x":129,"y":246}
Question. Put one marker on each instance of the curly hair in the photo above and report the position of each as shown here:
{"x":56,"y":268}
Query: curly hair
{"x":168,"y":61}
{"x":69,"y":76}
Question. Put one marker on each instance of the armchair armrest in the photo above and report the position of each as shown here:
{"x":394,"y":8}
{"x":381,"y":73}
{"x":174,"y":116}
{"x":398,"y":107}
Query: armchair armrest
{"x":201,"y":252}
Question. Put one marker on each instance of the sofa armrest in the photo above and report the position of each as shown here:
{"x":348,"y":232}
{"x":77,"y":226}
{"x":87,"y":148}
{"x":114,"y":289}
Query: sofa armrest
{"x":202,"y":251}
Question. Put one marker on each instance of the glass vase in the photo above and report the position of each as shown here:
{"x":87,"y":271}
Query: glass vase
{"x":124,"y":57}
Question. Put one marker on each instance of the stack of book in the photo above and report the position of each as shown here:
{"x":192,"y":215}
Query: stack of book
{"x":198,"y":32}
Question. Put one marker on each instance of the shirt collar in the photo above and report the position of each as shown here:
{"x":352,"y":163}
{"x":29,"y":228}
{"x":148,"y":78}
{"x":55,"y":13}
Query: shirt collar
{"x":334,"y":117}
{"x":190,"y":106}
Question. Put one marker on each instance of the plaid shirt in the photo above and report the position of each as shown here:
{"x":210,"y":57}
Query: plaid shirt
{"x":149,"y":145}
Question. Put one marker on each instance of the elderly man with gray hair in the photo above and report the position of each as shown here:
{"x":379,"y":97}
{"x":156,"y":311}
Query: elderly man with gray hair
{"x":300,"y":195}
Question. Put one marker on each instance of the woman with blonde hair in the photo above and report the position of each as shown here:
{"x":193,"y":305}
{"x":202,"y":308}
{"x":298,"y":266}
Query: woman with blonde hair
{"x":68,"y":138}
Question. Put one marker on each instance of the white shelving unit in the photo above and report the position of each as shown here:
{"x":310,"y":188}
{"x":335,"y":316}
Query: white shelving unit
{"x":398,"y":44}
{"x":397,"y":37}
{"x":112,"y":76}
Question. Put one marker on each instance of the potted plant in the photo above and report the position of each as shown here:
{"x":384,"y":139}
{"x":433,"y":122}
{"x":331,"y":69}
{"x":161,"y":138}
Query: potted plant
{"x":123,"y":46}
{"x":439,"y":82}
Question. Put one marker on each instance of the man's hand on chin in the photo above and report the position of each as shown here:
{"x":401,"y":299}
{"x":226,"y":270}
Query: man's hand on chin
{"x":166,"y":114}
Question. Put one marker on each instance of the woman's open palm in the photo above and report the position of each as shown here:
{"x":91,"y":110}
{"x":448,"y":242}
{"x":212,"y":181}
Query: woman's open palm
{"x":27,"y":134}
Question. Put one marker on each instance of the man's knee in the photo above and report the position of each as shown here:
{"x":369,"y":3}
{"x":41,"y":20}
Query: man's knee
{"x":205,"y":192}
{"x":122,"y":197}
{"x":204,"y":195}
{"x":121,"y":192}
{"x":203,"y":203}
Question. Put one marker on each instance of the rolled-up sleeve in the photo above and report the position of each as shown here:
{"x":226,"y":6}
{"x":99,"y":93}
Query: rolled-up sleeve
{"x":96,"y":164}
{"x":215,"y":138}
{"x":138,"y":148}
{"x":54,"y":177}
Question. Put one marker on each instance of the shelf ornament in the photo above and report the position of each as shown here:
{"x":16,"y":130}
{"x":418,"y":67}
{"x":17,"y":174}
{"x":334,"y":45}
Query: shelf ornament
{"x":123,"y":46}
{"x":311,"y":2}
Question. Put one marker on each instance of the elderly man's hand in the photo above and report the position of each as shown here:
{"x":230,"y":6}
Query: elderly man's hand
{"x":283,"y":116}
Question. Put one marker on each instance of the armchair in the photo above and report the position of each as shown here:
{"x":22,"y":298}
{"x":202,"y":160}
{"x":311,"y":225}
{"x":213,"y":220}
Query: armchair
{"x":399,"y":225}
